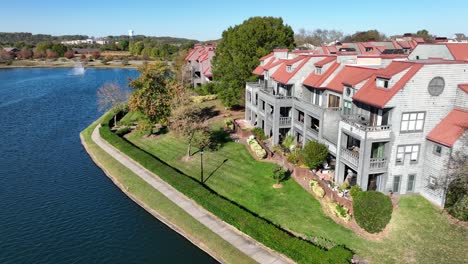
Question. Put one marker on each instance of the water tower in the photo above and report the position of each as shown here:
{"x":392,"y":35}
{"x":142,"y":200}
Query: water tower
{"x":130,"y":33}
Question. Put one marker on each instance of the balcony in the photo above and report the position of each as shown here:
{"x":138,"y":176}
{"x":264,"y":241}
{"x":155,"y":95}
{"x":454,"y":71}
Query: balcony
{"x":308,"y":106}
{"x":378,"y":164}
{"x":312,"y":131}
{"x":285,"y":121}
{"x":351,"y":156}
{"x":361,"y":123}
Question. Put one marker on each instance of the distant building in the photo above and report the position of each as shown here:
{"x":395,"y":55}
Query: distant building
{"x":198,"y":64}
{"x":131,"y":33}
{"x":11,"y":50}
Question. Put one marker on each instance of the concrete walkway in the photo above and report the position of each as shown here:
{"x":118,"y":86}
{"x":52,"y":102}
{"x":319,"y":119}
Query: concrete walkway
{"x":247,"y":245}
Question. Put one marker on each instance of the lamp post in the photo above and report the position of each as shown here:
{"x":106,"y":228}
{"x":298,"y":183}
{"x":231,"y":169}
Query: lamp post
{"x":201,"y":165}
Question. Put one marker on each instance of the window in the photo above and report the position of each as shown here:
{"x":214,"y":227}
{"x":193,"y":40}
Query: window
{"x":333,"y":101}
{"x":263,"y":105}
{"x":396,"y":183}
{"x":347,"y":106}
{"x":262,"y":63}
{"x":408,"y":150}
{"x":318,"y":70}
{"x":412,"y":122}
{"x":382,"y":83}
{"x":300,"y":116}
{"x":436,"y":86}
{"x":266,"y":74}
{"x":288,"y":68}
{"x":411,"y":180}
{"x":432,"y":182}
{"x":437,"y":150}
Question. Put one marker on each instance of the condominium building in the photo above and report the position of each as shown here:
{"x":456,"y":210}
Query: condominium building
{"x":198,"y":64}
{"x":389,"y":122}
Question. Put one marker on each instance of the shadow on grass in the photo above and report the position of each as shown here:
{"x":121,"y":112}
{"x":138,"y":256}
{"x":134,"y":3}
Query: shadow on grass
{"x":215,"y":170}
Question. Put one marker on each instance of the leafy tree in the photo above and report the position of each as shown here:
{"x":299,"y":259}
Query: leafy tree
{"x":50,"y":54}
{"x":202,"y":138}
{"x":239,"y":51}
{"x":44,"y":46}
{"x":279,"y":174}
{"x":96,"y":55}
{"x":26,"y":53}
{"x":123,"y":44}
{"x":112,"y":95}
{"x":153,"y":92}
{"x":69,"y":54}
{"x":186,"y":121}
{"x":59,"y":49}
{"x":314,"y":154}
{"x":423,"y":33}
{"x":369,"y":35}
{"x":135,"y":48}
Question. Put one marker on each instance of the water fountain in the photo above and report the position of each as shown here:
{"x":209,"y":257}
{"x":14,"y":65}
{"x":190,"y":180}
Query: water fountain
{"x":78,"y":69}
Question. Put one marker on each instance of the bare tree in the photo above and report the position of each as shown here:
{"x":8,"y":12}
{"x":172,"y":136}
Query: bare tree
{"x":112,"y":95}
{"x":317,"y":37}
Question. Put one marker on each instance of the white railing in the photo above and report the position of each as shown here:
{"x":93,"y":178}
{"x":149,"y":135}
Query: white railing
{"x":312,"y":131}
{"x":359,"y":122}
{"x":285,"y":121}
{"x":378,"y":164}
{"x":350,"y":156}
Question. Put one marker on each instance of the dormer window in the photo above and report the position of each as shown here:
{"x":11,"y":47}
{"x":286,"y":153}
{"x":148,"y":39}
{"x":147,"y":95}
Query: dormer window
{"x":266,"y":74}
{"x":318,"y":70}
{"x":288,"y":68}
{"x":382,"y":83}
{"x":368,"y":49}
{"x":262,"y":63}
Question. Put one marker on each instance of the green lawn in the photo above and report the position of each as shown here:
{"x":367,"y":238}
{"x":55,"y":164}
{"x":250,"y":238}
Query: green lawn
{"x":159,"y":203}
{"x":419,"y":232}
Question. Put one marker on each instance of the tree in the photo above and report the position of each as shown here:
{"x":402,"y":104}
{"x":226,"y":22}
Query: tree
{"x":279,"y":174}
{"x":123,"y":44}
{"x":96,"y":55}
{"x":153,"y":92}
{"x":37,"y":54}
{"x":240,"y":49}
{"x":69,"y":54}
{"x":363,"y":36}
{"x":423,"y":33}
{"x":317,"y":37}
{"x":112,"y":95}
{"x":314,"y":154}
{"x":59,"y":49}
{"x":25,"y":53}
{"x":186,"y":121}
{"x":50,"y":54}
{"x":135,"y":48}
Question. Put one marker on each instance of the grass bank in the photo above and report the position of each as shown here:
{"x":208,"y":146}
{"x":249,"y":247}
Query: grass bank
{"x":229,"y":211}
{"x":418,"y":232}
{"x":158,"y":204}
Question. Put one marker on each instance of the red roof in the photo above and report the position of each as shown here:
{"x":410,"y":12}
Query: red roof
{"x":316,"y":81}
{"x":451,"y":128}
{"x":463,"y":87}
{"x":325,"y":61}
{"x":372,"y":95}
{"x":351,"y":76}
{"x":282,"y":75}
{"x":280,"y":50}
{"x":260,"y":69}
{"x":266,"y":56}
{"x":459,"y":50}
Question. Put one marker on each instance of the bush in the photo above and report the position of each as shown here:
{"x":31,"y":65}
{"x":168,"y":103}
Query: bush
{"x":124,"y":61}
{"x":339,"y":211}
{"x":254,"y":226}
{"x":460,"y":209}
{"x":372,"y":210}
{"x":256,"y":148}
{"x":279,"y":174}
{"x":206,"y":89}
{"x":314,"y":154}
{"x":355,"y":190}
{"x":229,"y":124}
{"x":288,"y":141}
{"x":122,"y":131}
{"x":456,"y":201}
{"x":317,"y":189}
{"x":296,"y":157}
{"x":203,"y":98}
{"x":258,"y":133}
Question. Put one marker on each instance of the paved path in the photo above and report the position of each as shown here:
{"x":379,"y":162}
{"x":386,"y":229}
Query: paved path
{"x":247,"y":245}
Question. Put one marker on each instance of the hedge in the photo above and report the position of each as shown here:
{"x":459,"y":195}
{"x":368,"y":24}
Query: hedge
{"x":372,"y":210}
{"x":256,"y":227}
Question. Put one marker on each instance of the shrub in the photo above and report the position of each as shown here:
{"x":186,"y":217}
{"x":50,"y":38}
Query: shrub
{"x":317,"y":189}
{"x":296,"y":157}
{"x":288,"y":141}
{"x":206,"y":89}
{"x":279,"y":174}
{"x":460,"y":209}
{"x":124,"y":61}
{"x":354,"y":191}
{"x":339,"y":211}
{"x":258,"y":133}
{"x":255,"y":226}
{"x":456,"y":201}
{"x":203,"y":98}
{"x":256,"y":148}
{"x":229,"y":124}
{"x":372,"y":210}
{"x":314,"y":154}
{"x":122,"y":131}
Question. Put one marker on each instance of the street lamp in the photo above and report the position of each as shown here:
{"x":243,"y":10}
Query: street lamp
{"x":201,"y":165}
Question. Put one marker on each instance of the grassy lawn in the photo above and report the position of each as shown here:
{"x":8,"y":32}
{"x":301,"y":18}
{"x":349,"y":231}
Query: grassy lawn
{"x":419,"y":232}
{"x":159,"y":203}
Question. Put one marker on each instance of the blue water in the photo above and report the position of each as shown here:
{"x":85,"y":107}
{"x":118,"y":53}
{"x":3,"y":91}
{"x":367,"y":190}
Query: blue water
{"x":56,"y":206}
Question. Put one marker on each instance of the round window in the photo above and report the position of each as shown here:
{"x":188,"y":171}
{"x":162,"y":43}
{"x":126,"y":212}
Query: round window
{"x":348,"y":91}
{"x":436,"y":86}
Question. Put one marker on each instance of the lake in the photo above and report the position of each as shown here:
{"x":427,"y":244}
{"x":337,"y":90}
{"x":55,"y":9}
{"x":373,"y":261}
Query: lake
{"x":56,"y":205}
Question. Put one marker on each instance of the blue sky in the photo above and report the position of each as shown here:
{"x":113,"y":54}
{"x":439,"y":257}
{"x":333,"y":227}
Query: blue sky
{"x":205,"y":20}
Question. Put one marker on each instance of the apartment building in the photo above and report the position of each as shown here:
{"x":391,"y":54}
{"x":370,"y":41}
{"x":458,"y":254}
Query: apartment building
{"x":198,"y":64}
{"x":389,"y":122}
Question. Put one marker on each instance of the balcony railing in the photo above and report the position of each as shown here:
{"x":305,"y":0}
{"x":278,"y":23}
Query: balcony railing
{"x":360,"y":122}
{"x":285,"y":121}
{"x":351,"y":156}
{"x":333,"y":109}
{"x":312,"y":131}
{"x":378,"y":164}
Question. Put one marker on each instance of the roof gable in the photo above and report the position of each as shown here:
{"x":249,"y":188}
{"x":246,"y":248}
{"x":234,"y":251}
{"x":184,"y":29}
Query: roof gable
{"x":450,"y":129}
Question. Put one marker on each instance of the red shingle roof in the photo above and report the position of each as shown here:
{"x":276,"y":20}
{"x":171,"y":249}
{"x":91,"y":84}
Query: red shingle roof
{"x":351,"y":76}
{"x":282,"y":75}
{"x":325,"y":61}
{"x":459,"y":50}
{"x":463,"y":87}
{"x":316,"y":81}
{"x":372,"y":95}
{"x":451,"y":128}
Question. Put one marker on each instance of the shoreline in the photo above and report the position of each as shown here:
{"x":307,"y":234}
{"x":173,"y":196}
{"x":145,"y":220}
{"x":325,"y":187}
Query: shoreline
{"x":48,"y":66}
